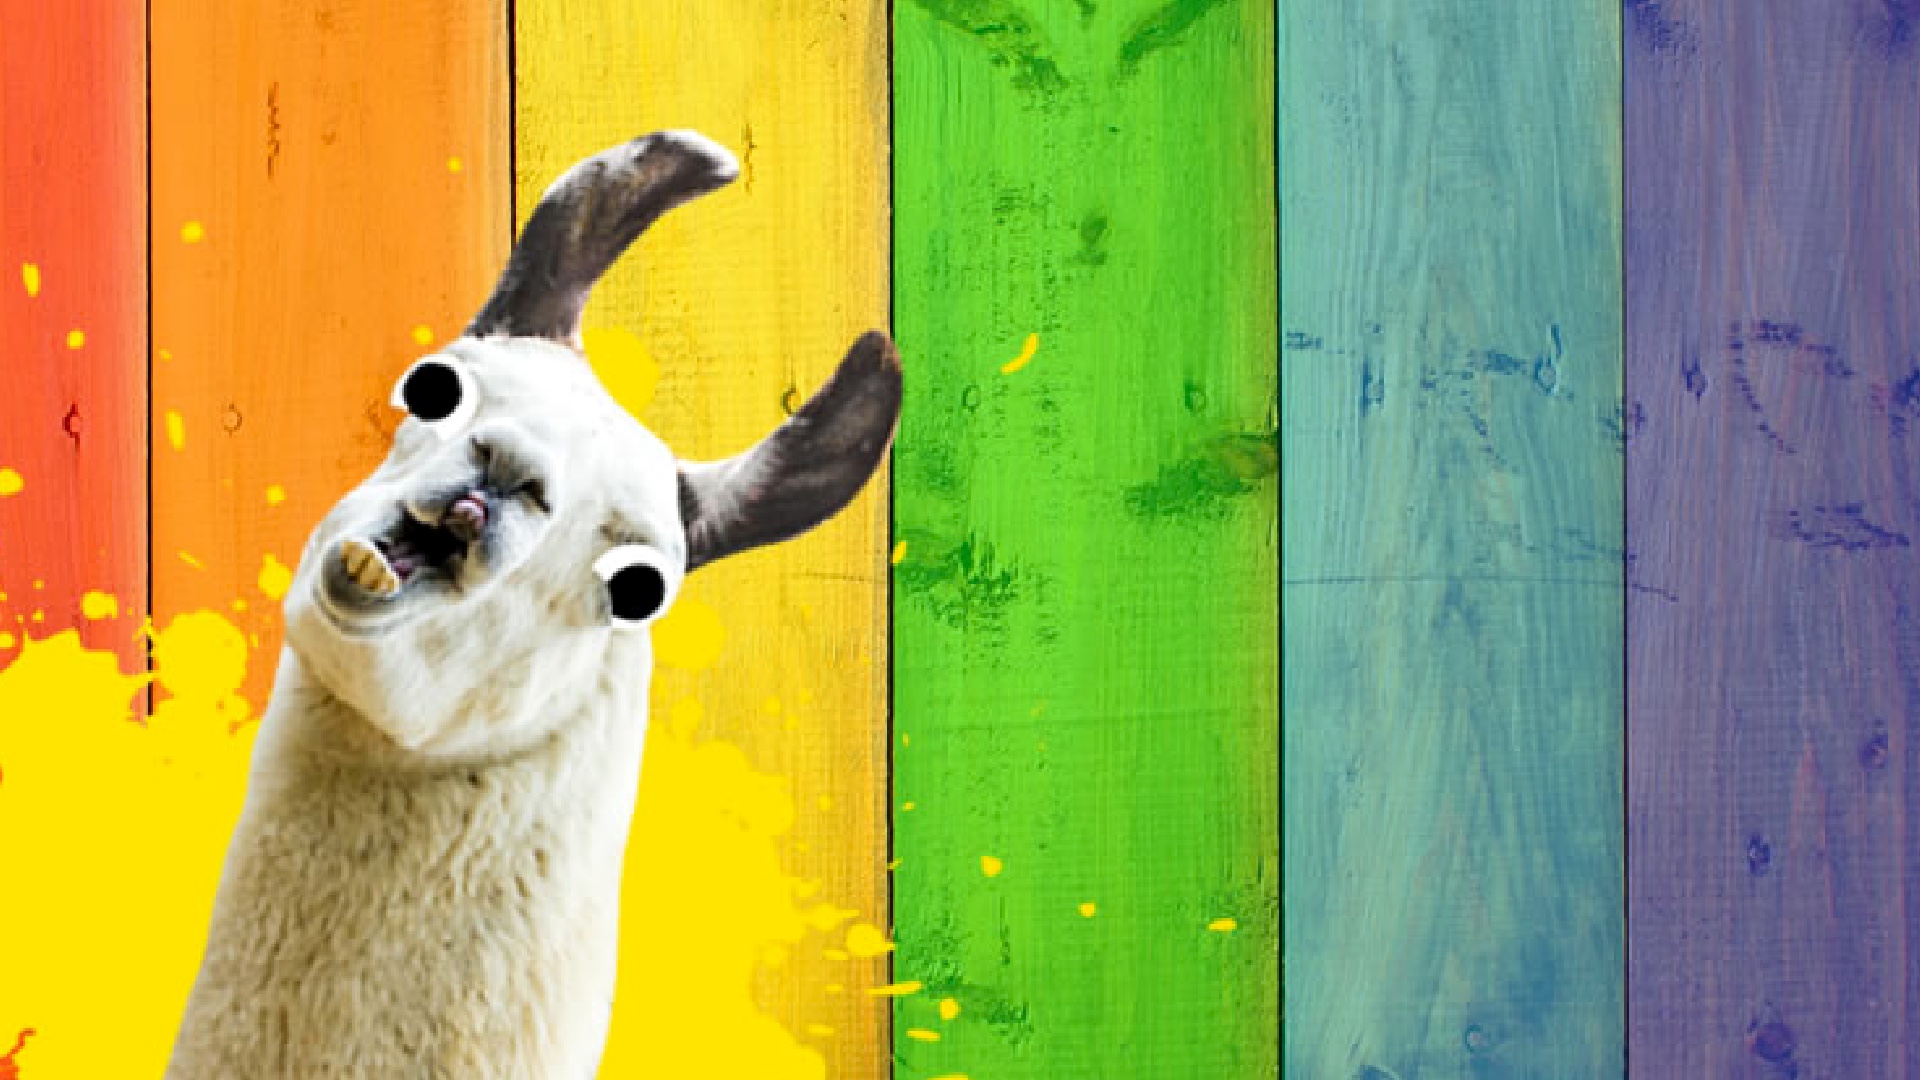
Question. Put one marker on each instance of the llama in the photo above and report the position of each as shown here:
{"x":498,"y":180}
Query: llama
{"x":425,"y":877}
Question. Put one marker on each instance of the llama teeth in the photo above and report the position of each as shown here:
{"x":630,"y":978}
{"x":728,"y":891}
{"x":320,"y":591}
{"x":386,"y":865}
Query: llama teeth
{"x":368,"y":568}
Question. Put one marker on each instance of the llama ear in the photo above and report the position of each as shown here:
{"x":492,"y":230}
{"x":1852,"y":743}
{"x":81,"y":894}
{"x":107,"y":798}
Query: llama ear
{"x":585,"y":220}
{"x":806,"y":471}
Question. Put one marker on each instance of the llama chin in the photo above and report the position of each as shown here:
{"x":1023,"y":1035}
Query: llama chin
{"x":425,"y":877}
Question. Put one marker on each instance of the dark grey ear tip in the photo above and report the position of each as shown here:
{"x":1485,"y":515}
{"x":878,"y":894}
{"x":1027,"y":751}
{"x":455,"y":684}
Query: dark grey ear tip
{"x":874,"y":352}
{"x":698,"y":163}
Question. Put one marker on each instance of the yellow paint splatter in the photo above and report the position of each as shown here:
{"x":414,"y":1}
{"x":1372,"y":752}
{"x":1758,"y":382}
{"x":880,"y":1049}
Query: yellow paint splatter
{"x":166,"y":354}
{"x":40,"y":616}
{"x":689,"y":636}
{"x":1088,"y":911}
{"x":991,"y":866}
{"x":239,"y":604}
{"x":454,"y":164}
{"x":1026,"y":353}
{"x":865,"y":940}
{"x":423,"y":334}
{"x":39,"y":583}
{"x":187,"y":557}
{"x":949,"y":1008}
{"x":909,"y":806}
{"x":894,"y":865}
{"x":1223,"y":926}
{"x":951,"y":1076}
{"x":834,"y":988}
{"x":6,"y":640}
{"x":834,"y":954}
{"x":11,"y":482}
{"x":623,"y":365}
{"x":906,"y":739}
{"x":899,"y":552}
{"x":275,"y":577}
{"x":276,"y":494}
{"x":99,"y":605}
{"x":923,"y":1035}
{"x":30,"y":277}
{"x":193,"y":232}
{"x":76,"y":339}
{"x":176,"y":429}
{"x":899,"y":989}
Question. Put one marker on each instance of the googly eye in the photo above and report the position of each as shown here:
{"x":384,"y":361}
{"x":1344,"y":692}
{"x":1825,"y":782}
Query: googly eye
{"x":439,"y":394}
{"x":640,"y":584}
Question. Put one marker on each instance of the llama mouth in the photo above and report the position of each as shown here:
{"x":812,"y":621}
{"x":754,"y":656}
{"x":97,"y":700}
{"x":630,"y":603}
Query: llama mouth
{"x":423,"y":543}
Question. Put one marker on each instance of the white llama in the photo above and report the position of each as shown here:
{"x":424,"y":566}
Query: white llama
{"x":425,"y":879}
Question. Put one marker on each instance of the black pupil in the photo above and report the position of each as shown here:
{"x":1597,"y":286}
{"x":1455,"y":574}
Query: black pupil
{"x":637,"y":591}
{"x":432,"y":392}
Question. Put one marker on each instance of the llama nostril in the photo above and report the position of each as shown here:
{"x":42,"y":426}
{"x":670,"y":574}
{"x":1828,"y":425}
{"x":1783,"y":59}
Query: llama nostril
{"x":467,"y":517}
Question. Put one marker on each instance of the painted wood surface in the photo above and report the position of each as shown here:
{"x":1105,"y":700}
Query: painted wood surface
{"x":73,"y":296}
{"x":1451,"y":379}
{"x":755,"y":911}
{"x":1773,"y":254}
{"x":1085,"y":630}
{"x":330,"y":196}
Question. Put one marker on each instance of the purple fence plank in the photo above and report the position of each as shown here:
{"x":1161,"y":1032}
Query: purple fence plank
{"x":1773,"y":377}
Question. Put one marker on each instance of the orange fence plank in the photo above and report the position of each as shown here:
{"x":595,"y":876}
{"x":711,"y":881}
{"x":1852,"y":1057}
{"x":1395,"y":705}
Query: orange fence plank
{"x":73,"y":292}
{"x":331,"y":194}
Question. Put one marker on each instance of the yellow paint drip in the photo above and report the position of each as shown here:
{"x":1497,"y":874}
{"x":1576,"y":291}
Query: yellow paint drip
{"x":624,"y":367}
{"x":117,"y":827}
{"x":76,"y":339}
{"x":423,"y":334}
{"x":711,"y":823}
{"x":454,"y":164}
{"x":865,"y":940}
{"x":30,"y":277}
{"x":899,"y":552}
{"x":689,"y":636}
{"x":949,"y":1008}
{"x":11,"y":482}
{"x":275,"y":577}
{"x":99,"y":605}
{"x":1088,"y":911}
{"x":899,"y":989}
{"x":176,"y":429}
{"x":187,"y":557}
{"x":276,"y":494}
{"x":1026,"y":353}
{"x":1223,"y":926}
{"x":991,"y":866}
{"x":192,"y":232}
{"x":923,"y":1035}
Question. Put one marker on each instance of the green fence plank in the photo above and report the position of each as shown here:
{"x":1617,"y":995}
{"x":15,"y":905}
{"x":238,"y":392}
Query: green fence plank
{"x":1452,"y":554}
{"x":1085,"y":613}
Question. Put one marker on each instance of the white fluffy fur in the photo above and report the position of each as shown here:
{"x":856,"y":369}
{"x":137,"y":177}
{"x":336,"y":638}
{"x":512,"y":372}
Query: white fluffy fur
{"x":425,"y":879}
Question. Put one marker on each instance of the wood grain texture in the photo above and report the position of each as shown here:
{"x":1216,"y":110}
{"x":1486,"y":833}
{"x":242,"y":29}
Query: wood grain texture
{"x":306,"y":219}
{"x":1773,"y":253}
{"x":1452,"y":539}
{"x":1085,"y":619}
{"x":740,"y":304}
{"x":73,"y":261}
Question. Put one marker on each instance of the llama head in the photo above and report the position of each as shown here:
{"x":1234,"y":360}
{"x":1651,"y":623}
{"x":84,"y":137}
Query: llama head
{"x":499,"y":570}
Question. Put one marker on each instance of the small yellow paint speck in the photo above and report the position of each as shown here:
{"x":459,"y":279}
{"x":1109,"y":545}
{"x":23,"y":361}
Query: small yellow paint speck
{"x":6,"y":641}
{"x":454,"y":164}
{"x":166,"y":354}
{"x":908,"y":807}
{"x":193,"y":232}
{"x":39,"y":583}
{"x":239,"y":605}
{"x":834,"y":954}
{"x":949,"y":1008}
{"x":191,"y":561}
{"x":11,"y":482}
{"x":276,"y":495}
{"x":1026,"y":353}
{"x":864,"y":940}
{"x":1223,"y":926}
{"x":906,"y":739}
{"x":176,"y":429}
{"x":30,"y":277}
{"x":894,"y":865}
{"x":423,"y":334}
{"x":991,"y":866}
{"x":899,"y":552}
{"x":39,"y":616}
{"x":834,"y":988}
{"x":275,"y":578}
{"x":821,"y":1031}
{"x":899,"y":989}
{"x":1087,"y":911}
{"x":923,"y":1035}
{"x":951,"y":1076}
{"x":99,"y":605}
{"x":76,"y":339}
